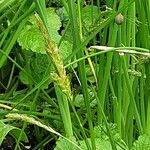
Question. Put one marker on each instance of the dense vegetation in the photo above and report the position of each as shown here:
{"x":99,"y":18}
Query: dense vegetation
{"x":75,"y":74}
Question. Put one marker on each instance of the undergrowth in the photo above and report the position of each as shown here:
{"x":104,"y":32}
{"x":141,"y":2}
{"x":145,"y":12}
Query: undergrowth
{"x":74,"y":75}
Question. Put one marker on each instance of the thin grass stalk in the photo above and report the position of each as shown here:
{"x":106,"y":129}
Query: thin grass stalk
{"x":147,"y":72}
{"x":144,"y":31}
{"x":17,"y":21}
{"x":10,"y":91}
{"x":65,"y":5}
{"x":124,"y":26}
{"x":20,"y":136}
{"x":32,"y":107}
{"x":63,"y":106}
{"x":131,"y":42}
{"x":148,"y":12}
{"x":137,"y":117}
{"x":49,"y":99}
{"x":125,"y":108}
{"x":143,"y":28}
{"x":127,"y":115}
{"x":131,"y":127}
{"x":42,"y":143}
{"x":106,"y":123}
{"x":119,"y":86}
{"x":9,"y":11}
{"x":129,"y":25}
{"x":81,"y":126}
{"x":33,"y":104}
{"x":142,"y":99}
{"x":60,"y":78}
{"x":10,"y":77}
{"x":62,"y":37}
{"x":81,"y":37}
{"x":129,"y":124}
{"x":11,"y":41}
{"x":115,"y":101}
{"x":5,"y":4}
{"x":12,"y":22}
{"x":81,"y":66}
{"x":96,"y":30}
{"x":103,"y":86}
{"x":100,"y":72}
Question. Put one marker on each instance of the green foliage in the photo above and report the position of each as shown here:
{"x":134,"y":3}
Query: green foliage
{"x":102,"y":139}
{"x":90,"y":17}
{"x":143,"y":143}
{"x":103,"y":114}
{"x":14,"y":131}
{"x":37,"y":68}
{"x":63,"y":144}
{"x":32,"y":39}
{"x":4,"y":4}
{"x":100,"y":144}
{"x":79,"y":100}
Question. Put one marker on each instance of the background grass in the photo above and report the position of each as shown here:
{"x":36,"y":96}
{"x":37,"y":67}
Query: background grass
{"x":95,"y":97}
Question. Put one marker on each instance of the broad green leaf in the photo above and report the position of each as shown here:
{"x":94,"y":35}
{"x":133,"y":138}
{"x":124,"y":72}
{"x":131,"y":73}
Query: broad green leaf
{"x":25,"y":75}
{"x":102,"y":140}
{"x":41,"y":68}
{"x":100,"y":144}
{"x":63,"y":144}
{"x":90,"y":17}
{"x":38,"y":68}
{"x":143,"y":143}
{"x":100,"y":133}
{"x":79,"y":100}
{"x":65,"y":49}
{"x":32,"y":39}
{"x":6,"y":128}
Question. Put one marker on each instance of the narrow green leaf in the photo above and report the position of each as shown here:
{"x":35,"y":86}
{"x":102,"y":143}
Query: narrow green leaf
{"x":5,"y":129}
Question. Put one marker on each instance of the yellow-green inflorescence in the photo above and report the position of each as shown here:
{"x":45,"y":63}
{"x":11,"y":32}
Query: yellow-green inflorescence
{"x":59,"y":77}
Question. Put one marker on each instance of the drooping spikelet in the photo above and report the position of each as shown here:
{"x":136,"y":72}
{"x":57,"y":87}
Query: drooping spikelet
{"x":60,"y":77}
